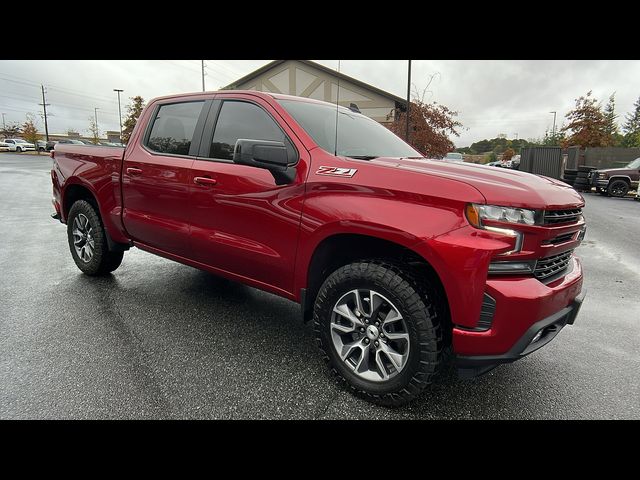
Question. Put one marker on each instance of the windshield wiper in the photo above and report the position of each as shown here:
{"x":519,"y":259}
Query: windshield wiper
{"x":362,"y":157}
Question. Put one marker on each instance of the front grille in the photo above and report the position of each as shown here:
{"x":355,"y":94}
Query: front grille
{"x":547,"y":267}
{"x":561,"y":216}
{"x":565,"y":237}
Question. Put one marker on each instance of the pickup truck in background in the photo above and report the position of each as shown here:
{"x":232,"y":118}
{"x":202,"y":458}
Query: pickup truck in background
{"x":402,"y":263}
{"x":616,"y":182}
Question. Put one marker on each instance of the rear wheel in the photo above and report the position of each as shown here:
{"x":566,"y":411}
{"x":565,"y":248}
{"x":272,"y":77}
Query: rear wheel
{"x":88,"y":242}
{"x":379,"y":329}
{"x":618,"y":188}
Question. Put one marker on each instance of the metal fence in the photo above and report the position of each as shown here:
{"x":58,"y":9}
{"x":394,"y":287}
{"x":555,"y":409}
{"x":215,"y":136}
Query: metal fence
{"x":542,"y":161}
{"x":610,"y":157}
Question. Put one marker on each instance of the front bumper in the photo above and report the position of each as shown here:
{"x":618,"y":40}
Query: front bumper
{"x":542,"y":332}
{"x":599,"y":182}
{"x":521,"y":304}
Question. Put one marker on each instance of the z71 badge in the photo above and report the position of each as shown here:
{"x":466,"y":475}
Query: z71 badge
{"x":337,"y":172}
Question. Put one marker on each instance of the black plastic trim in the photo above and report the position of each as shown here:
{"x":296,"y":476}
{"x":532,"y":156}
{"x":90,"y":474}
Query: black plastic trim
{"x":472,"y":366}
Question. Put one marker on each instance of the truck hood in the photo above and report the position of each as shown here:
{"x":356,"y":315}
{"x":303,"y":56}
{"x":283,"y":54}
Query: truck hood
{"x":498,"y":186}
{"x":615,"y":171}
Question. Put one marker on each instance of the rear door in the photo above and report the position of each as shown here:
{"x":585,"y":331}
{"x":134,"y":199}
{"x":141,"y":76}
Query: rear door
{"x":242,"y":222}
{"x":156,"y":176}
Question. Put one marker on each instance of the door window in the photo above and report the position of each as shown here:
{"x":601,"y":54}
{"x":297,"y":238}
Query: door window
{"x":173,"y":128}
{"x":242,"y":120}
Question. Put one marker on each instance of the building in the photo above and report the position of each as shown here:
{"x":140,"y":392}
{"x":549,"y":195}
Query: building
{"x":309,"y":79}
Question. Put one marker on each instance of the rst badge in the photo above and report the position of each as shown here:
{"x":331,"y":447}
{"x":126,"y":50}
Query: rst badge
{"x":337,"y":172}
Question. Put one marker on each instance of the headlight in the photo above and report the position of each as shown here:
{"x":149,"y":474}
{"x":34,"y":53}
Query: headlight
{"x":477,"y":213}
{"x":602,"y":175}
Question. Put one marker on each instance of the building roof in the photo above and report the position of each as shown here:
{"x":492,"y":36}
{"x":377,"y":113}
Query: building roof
{"x":328,"y":70}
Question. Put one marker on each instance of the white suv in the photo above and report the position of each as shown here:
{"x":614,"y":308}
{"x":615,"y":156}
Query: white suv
{"x":19,"y":145}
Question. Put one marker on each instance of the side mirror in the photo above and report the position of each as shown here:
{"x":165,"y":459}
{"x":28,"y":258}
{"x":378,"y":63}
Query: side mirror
{"x":267,"y":154}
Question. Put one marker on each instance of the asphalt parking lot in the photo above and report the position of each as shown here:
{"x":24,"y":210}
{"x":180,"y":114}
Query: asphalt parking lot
{"x":161,"y":340}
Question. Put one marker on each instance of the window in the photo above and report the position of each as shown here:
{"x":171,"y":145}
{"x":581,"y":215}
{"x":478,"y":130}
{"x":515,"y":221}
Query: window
{"x":358,"y":135}
{"x":173,"y":128}
{"x":242,"y":120}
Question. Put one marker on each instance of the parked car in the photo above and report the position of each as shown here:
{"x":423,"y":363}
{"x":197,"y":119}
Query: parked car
{"x":51,"y":145}
{"x":42,"y":146}
{"x":6,"y":147}
{"x":20,"y":145}
{"x":616,"y":181}
{"x":397,"y":259}
{"x":453,"y":157}
{"x":497,"y":163}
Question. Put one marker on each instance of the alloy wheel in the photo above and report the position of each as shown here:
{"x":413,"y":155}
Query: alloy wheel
{"x":370,"y":335}
{"x":83,"y":240}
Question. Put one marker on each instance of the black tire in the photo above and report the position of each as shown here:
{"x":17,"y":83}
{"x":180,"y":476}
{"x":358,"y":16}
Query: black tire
{"x":582,"y":175}
{"x":585,"y":168}
{"x":422,"y":312}
{"x":19,"y":149}
{"x":570,"y":171}
{"x":618,"y":188}
{"x":102,"y":261}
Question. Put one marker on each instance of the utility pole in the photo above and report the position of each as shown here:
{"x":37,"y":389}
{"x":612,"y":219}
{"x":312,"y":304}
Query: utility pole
{"x":406,"y":137}
{"x":95,"y":113}
{"x":4,"y":125}
{"x":44,"y":107}
{"x":554,"y":124}
{"x":119,"y":111}
{"x":203,"y":74}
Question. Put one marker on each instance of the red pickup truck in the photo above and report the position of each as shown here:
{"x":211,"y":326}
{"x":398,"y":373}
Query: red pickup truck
{"x":401,"y":262}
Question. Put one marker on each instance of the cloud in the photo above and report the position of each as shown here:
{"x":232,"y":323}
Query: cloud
{"x":492,"y":96}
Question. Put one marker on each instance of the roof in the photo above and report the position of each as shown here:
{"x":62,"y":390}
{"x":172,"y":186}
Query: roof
{"x":328,"y":70}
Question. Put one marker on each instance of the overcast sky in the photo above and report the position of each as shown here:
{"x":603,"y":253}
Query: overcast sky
{"x":493,"y":97}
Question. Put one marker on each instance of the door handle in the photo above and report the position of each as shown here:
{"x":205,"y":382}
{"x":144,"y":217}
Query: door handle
{"x":205,"y":180}
{"x":134,"y":171}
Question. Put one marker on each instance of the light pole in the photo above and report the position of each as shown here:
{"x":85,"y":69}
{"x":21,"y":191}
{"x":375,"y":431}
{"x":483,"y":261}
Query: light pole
{"x":554,"y":124}
{"x":4,"y":125}
{"x":119,"y":111}
{"x":97,"y":132}
{"x":202,"y":65}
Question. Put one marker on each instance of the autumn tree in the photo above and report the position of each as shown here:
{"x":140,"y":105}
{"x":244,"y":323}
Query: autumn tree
{"x":553,"y":139}
{"x":11,"y":131}
{"x":587,"y":124}
{"x":93,"y":130}
{"x":30,"y":131}
{"x":631,"y":127}
{"x":134,"y":109}
{"x":508,"y":154}
{"x":430,"y":125}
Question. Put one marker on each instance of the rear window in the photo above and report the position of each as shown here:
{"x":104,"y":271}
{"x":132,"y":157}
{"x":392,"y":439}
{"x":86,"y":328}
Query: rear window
{"x":173,"y":127}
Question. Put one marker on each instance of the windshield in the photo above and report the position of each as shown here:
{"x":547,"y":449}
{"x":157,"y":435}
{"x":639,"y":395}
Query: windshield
{"x":358,"y":135}
{"x":454,"y":156}
{"x":19,"y":140}
{"x":635,"y":163}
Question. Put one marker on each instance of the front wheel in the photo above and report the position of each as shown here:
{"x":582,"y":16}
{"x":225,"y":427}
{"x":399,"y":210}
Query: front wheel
{"x":618,"y":188}
{"x":87,"y":241}
{"x":19,"y":149}
{"x":379,"y":330}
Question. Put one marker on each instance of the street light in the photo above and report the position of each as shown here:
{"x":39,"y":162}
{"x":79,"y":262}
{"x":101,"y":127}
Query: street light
{"x":554,"y":124}
{"x":119,"y":111}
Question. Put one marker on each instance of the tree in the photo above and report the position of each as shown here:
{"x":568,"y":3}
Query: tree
{"x":508,"y":154}
{"x":30,"y":131}
{"x":430,"y":125}
{"x":11,"y":131}
{"x":587,"y":125}
{"x":631,"y":127}
{"x":551,"y":139}
{"x":93,"y":130}
{"x":134,"y":109}
{"x":611,"y":116}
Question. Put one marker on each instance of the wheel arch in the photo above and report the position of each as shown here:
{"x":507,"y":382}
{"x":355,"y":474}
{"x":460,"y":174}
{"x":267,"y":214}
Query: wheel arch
{"x":339,"y":249}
